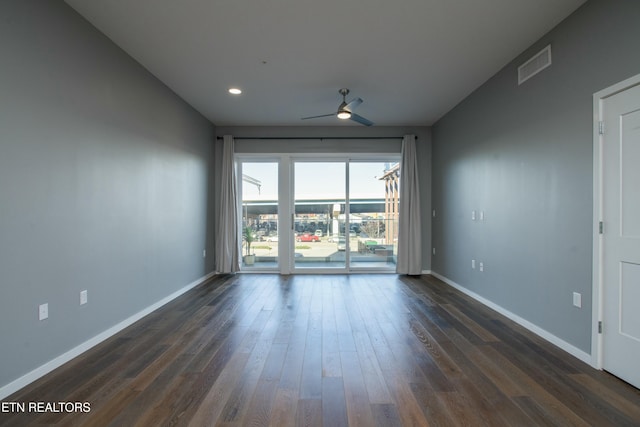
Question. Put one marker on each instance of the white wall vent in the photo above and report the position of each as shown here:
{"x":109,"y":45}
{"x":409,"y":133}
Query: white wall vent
{"x":533,"y":66}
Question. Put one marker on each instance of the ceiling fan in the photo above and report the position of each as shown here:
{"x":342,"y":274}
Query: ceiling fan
{"x":345,"y":110}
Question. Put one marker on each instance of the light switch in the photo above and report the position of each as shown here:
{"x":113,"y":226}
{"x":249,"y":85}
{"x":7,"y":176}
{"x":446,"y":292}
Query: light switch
{"x":577,"y":300}
{"x":43,"y":311}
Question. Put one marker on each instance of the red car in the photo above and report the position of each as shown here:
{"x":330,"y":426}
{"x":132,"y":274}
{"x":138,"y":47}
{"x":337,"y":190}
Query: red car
{"x":307,"y":237}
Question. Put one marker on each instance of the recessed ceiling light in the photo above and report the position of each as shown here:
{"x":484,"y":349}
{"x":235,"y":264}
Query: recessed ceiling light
{"x":235,"y":91}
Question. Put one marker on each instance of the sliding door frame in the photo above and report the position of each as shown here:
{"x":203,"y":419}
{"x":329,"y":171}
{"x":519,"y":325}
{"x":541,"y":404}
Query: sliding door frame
{"x":283,"y":203}
{"x":320,"y":158}
{"x":286,"y":204}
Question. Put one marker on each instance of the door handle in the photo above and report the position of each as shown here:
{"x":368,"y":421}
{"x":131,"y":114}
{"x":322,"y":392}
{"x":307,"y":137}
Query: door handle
{"x":292,"y":219}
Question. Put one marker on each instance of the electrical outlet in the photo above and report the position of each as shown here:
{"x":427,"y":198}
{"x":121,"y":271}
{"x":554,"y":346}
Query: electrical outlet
{"x":481,"y":215}
{"x":43,"y":311}
{"x":434,"y":213}
{"x":83,"y":297}
{"x":473,"y":215}
{"x":204,"y":253}
{"x":481,"y":266}
{"x":473,"y":264}
{"x":434,"y":251}
{"x":577,"y":300}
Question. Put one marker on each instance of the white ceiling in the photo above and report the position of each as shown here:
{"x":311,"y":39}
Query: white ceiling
{"x":411,"y":61}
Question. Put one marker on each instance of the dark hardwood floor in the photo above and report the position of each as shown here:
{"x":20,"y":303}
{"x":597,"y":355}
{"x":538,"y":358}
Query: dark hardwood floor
{"x":360,"y":350}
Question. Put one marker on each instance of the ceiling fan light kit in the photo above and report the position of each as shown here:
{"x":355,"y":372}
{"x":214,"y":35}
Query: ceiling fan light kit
{"x":345,"y":110}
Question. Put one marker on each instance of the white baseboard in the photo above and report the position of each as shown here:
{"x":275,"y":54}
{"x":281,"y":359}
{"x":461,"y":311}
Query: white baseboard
{"x":569,"y":348}
{"x":42,"y":370}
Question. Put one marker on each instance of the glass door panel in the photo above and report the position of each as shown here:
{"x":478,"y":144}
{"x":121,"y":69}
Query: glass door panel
{"x":319,"y":218}
{"x":373,"y":206}
{"x":339,"y":215}
{"x":259,"y":215}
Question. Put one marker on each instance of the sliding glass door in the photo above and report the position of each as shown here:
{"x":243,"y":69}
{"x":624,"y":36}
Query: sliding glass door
{"x":320,"y":201}
{"x":373,"y":214}
{"x":259,"y":210}
{"x":317,"y":215}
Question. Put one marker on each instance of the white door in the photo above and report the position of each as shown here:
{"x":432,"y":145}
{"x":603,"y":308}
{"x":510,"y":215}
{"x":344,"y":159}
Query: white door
{"x":621,"y":237}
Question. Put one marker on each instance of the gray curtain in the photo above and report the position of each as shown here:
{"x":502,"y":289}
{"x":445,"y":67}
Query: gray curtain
{"x":409,"y":222}
{"x":227,"y":243}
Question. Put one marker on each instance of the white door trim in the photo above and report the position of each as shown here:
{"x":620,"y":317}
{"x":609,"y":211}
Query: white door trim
{"x":597,"y":282}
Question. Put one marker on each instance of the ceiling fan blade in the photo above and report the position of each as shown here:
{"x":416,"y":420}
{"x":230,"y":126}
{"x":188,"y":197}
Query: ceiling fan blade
{"x":361,"y":120}
{"x":317,"y":117}
{"x":353,"y":104}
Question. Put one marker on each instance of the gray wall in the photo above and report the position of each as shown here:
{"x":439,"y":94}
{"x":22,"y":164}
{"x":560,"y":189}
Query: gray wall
{"x":523,"y":154}
{"x":423,"y":143}
{"x":103,"y":185}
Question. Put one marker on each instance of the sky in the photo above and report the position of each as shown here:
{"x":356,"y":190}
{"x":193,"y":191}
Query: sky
{"x":316,"y":180}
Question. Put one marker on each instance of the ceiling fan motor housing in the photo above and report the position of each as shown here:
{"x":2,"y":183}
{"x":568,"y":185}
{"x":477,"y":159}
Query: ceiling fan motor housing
{"x":345,"y":110}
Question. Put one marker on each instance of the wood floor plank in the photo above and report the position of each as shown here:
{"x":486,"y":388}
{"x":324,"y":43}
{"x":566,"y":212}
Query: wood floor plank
{"x":331,"y":366}
{"x":333,"y":350}
{"x":616,"y":400}
{"x":343,"y":304}
{"x":115,"y":405}
{"x":408,"y":408}
{"x":539,"y":415}
{"x":555,"y":382}
{"x":294,"y":359}
{"x":309,"y":413}
{"x":311,"y":381}
{"x":385,"y":415}
{"x":469,"y":323}
{"x":373,"y":377}
{"x":461,"y":410}
{"x":260,"y":406}
{"x":429,"y":401}
{"x":209,"y":409}
{"x":167,"y":409}
{"x":507,"y":385}
{"x":237,"y":404}
{"x":160,"y":376}
{"x":369,"y":362}
{"x":356,"y":397}
{"x":562,"y":415}
{"x":283,"y":413}
{"x":334,"y":407}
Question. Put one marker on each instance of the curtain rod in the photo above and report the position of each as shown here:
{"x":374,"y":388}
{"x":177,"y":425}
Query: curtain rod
{"x":314,"y":137}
